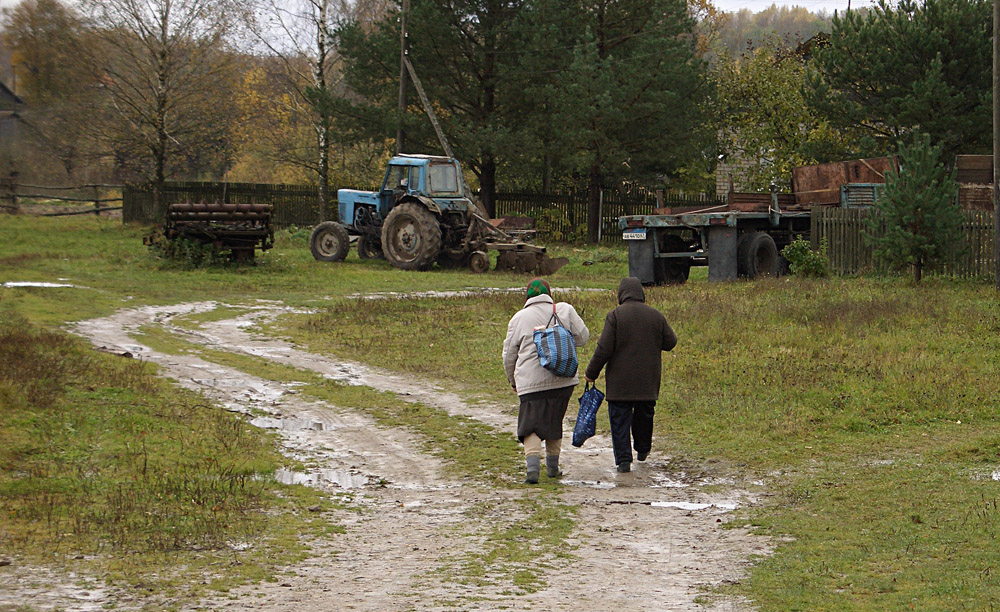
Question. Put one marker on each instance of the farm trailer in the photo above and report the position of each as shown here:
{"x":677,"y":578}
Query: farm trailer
{"x":744,"y":237}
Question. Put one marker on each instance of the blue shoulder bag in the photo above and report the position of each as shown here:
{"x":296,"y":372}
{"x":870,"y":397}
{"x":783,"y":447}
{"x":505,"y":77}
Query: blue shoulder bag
{"x":556,"y":347}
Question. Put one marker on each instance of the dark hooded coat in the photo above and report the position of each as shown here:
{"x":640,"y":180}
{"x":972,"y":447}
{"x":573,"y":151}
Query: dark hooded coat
{"x":634,"y":335}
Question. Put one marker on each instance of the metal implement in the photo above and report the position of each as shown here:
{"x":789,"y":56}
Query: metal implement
{"x":239,"y":228}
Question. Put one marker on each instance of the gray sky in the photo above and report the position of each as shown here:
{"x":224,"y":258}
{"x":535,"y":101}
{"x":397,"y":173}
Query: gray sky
{"x":814,"y":6}
{"x":731,"y":5}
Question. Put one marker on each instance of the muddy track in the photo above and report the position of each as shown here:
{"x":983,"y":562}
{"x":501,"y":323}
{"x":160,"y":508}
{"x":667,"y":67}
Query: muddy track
{"x":651,"y":539}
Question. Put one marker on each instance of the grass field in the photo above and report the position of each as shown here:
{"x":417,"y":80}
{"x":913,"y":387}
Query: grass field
{"x":869,"y":406}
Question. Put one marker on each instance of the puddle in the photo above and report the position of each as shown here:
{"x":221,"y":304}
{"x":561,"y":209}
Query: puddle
{"x":322,"y":478}
{"x":287,"y":424}
{"x":665,"y":482}
{"x":592,"y":484}
{"x":34,"y":284}
{"x":695,"y":506}
{"x":450,"y":507}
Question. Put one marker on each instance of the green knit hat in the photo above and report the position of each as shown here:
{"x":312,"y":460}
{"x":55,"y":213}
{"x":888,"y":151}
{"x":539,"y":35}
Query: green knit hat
{"x":538,"y":286}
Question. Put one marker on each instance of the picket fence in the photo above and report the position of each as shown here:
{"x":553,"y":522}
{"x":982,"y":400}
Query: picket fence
{"x":850,"y":253}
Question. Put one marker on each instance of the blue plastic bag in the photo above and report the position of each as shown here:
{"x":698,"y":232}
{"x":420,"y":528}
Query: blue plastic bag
{"x":586,"y":419}
{"x":556,"y":347}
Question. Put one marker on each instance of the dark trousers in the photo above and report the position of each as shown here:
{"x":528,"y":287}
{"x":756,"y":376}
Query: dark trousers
{"x":635,"y":418}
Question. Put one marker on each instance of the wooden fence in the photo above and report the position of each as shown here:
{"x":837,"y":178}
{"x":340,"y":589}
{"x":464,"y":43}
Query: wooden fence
{"x":559,"y":216}
{"x":850,"y":253}
{"x":14,"y":195}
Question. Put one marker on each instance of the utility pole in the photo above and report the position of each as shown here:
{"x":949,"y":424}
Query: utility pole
{"x":996,"y":142}
{"x":403,"y":48}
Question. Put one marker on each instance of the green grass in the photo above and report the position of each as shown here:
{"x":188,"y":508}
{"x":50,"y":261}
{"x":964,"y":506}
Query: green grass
{"x":101,"y":460}
{"x":868,"y":406}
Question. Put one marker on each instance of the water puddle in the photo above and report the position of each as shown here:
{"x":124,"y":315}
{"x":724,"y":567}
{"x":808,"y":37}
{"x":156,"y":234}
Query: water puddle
{"x":994,"y":475}
{"x":680,"y":505}
{"x":292,"y":424}
{"x":451,"y":507}
{"x":322,"y":478}
{"x":666,"y":482}
{"x":591,"y":484}
{"x":695,"y":506}
{"x":38,"y":284}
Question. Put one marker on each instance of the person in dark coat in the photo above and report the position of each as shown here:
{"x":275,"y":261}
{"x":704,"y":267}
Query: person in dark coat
{"x":634,"y":335}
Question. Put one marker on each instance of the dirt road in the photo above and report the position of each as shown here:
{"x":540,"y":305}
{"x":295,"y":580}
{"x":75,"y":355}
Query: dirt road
{"x":651,"y":539}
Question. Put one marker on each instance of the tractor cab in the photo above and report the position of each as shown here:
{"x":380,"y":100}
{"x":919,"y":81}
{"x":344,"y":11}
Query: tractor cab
{"x":423,"y":176}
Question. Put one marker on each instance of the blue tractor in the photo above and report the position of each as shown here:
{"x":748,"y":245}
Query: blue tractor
{"x":420,"y":216}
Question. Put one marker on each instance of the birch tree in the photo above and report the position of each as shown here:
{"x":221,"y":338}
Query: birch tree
{"x":298,"y":35}
{"x":162,"y":63}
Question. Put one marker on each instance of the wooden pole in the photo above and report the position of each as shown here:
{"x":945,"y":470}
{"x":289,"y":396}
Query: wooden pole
{"x":403,"y":48}
{"x":996,"y":143}
{"x":14,"y":205}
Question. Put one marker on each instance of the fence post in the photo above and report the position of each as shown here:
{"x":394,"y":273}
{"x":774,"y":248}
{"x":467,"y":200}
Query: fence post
{"x":97,"y":201}
{"x":9,"y":185}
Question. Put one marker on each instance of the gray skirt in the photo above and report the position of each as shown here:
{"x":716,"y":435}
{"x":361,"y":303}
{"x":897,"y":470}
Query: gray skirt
{"x":542,"y":413}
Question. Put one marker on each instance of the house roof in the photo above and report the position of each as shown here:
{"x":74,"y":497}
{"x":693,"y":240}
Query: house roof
{"x":8,"y":100}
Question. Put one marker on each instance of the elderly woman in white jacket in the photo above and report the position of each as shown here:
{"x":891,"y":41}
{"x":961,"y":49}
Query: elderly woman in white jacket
{"x":544,"y":396}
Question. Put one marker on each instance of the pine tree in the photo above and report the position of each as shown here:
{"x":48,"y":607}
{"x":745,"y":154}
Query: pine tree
{"x":909,"y":65}
{"x":920,"y":221}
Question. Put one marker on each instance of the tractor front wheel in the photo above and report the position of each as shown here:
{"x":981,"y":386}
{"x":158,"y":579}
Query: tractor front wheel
{"x":369,"y":248}
{"x":329,"y":242}
{"x":411,"y":237}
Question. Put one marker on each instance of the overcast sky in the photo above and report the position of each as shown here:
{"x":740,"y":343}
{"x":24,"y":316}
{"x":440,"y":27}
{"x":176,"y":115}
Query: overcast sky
{"x":733,"y":5}
{"x":814,"y":6}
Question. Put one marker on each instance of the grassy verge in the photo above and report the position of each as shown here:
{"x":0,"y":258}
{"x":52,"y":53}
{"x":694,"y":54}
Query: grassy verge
{"x":106,"y":469}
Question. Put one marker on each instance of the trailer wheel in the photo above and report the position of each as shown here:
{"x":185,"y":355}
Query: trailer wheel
{"x":369,"y":248}
{"x":479,"y":262}
{"x":411,"y":237}
{"x":329,"y":242}
{"x":671,"y":270}
{"x":757,"y":255}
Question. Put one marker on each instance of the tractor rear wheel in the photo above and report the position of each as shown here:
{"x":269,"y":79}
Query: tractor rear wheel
{"x":329,"y":242}
{"x":411,"y":237}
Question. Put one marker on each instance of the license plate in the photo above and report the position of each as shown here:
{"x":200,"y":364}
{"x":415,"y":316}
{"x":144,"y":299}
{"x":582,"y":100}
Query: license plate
{"x":634,"y":235}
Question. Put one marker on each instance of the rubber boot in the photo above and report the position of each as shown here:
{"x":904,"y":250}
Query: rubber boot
{"x":552,"y":466}
{"x":534,"y":465}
